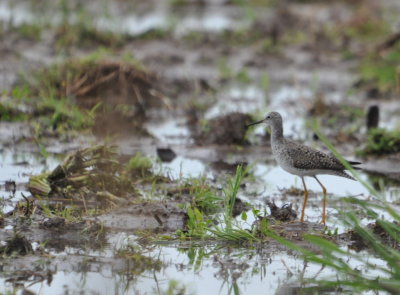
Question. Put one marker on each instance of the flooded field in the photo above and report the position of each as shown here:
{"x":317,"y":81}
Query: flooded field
{"x":126,"y":166}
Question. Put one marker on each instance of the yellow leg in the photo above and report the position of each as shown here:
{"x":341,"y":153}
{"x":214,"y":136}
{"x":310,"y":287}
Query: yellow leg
{"x":305,"y":200}
{"x":324,"y":201}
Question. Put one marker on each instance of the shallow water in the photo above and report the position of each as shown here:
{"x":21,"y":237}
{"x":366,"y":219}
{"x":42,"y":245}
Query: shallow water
{"x":202,"y":268}
{"x":128,"y":19}
{"x":199,"y":269}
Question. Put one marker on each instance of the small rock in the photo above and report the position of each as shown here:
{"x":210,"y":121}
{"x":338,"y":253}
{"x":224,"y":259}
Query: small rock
{"x":53,"y":222}
{"x":166,"y":154}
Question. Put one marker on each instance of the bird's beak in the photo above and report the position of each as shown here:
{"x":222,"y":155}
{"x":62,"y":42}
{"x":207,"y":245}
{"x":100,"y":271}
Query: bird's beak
{"x":255,"y":123}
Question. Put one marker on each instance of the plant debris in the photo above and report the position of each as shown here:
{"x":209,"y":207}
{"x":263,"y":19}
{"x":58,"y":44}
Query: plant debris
{"x":117,"y":94}
{"x":92,"y":173}
{"x":17,"y":244}
{"x":284,"y":214}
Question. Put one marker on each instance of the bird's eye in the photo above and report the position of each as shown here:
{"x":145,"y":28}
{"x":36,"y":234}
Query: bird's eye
{"x":268,"y":117}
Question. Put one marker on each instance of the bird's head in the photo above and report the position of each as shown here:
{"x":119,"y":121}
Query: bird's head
{"x":272,"y":118}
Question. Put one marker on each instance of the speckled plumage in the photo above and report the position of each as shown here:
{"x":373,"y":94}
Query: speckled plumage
{"x":301,"y":160}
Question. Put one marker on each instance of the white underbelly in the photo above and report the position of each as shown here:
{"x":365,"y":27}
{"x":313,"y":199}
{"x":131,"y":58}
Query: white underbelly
{"x":302,"y":172}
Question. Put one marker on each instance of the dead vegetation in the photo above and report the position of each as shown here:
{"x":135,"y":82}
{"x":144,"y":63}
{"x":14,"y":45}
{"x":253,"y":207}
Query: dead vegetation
{"x":119,"y":94}
{"x":284,"y":214}
{"x":17,"y":244}
{"x":109,"y":82}
{"x":91,"y":175}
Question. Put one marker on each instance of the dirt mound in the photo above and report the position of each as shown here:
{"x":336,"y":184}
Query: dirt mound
{"x":113,"y":83}
{"x":224,"y":130}
{"x":359,"y":243}
{"x":121,"y":93}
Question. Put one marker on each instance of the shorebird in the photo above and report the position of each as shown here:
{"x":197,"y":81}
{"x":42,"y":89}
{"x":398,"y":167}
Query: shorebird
{"x":301,"y":160}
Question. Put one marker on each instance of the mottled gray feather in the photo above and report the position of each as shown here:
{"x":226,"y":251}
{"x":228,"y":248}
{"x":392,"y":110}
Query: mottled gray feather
{"x":307,"y":158}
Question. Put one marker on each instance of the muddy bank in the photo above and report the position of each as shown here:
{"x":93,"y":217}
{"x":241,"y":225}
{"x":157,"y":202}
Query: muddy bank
{"x":160,"y":217}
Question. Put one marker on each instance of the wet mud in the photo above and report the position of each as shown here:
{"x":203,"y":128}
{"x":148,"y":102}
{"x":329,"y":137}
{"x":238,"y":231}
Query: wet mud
{"x":147,"y":216}
{"x":225,"y":130}
{"x":359,"y":244}
{"x":179,"y":84}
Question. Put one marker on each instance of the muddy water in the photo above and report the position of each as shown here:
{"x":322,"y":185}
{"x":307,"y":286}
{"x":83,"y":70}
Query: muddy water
{"x":198,"y":267}
{"x":17,"y":167}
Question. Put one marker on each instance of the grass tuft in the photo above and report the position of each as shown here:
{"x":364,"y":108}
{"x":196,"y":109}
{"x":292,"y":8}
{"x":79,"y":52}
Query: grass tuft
{"x":381,"y":142}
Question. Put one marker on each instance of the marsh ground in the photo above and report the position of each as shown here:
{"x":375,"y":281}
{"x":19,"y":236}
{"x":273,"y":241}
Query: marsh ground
{"x":178,"y":80}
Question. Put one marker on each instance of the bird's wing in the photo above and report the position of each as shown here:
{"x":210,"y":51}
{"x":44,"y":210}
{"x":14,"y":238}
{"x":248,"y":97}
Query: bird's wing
{"x":305,"y":157}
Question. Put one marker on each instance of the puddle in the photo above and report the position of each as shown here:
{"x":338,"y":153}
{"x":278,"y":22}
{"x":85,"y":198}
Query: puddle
{"x":182,"y":167}
{"x":243,"y":99}
{"x":170,"y":131}
{"x":18,"y":167}
{"x":130,"y":19}
{"x":200,"y":268}
{"x":196,"y":268}
{"x":275,"y":180}
{"x":15,"y":13}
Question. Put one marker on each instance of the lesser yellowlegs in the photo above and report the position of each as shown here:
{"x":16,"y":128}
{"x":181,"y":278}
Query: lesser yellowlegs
{"x":302,"y":160}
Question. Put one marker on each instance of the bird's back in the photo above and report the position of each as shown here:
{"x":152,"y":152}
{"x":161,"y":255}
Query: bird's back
{"x":303,"y":160}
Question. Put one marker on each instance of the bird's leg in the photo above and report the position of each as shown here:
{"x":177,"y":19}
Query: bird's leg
{"x":305,"y":200}
{"x":324,"y":201}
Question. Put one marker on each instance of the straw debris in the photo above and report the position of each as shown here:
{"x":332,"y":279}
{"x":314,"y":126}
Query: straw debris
{"x":92,"y":173}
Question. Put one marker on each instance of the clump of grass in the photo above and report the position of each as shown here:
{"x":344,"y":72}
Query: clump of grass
{"x":229,"y":229}
{"x":139,"y":166}
{"x":50,"y":113}
{"x":381,"y":141}
{"x":225,"y":228}
{"x":196,"y":226}
{"x":9,"y":112}
{"x":382,"y":70}
{"x":203,"y":196}
{"x":79,"y":94}
{"x":17,"y":245}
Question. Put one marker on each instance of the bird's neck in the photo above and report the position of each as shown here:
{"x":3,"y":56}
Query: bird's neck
{"x":277,"y":132}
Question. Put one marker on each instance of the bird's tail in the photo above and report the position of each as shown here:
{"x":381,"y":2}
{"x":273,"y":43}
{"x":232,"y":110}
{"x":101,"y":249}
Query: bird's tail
{"x":344,"y":174}
{"x":354,"y":165}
